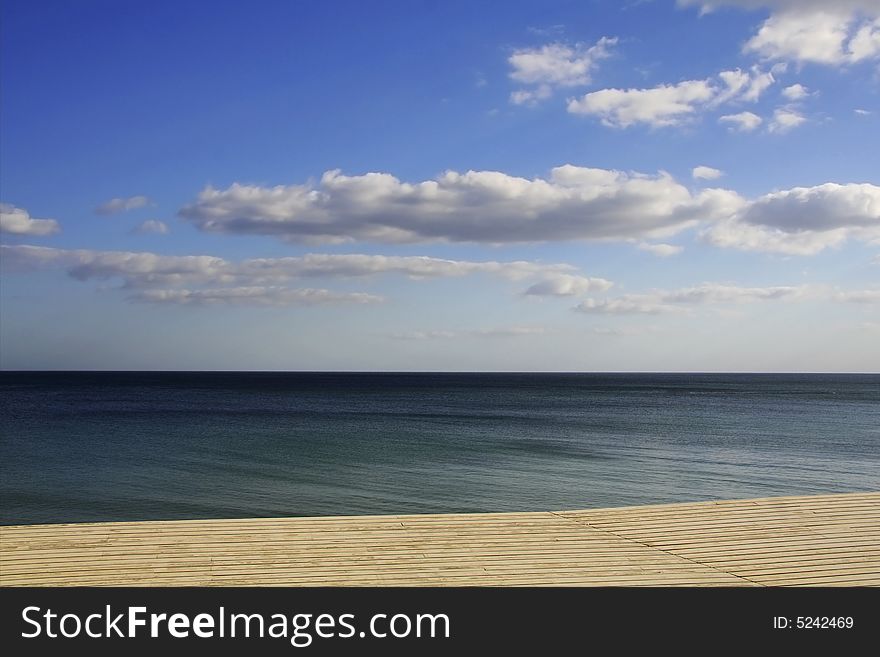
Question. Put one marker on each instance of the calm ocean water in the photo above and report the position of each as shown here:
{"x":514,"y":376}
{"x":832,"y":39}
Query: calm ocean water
{"x":136,"y":446}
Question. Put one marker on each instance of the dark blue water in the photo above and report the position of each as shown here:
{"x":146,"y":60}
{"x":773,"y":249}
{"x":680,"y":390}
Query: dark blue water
{"x":135,"y":446}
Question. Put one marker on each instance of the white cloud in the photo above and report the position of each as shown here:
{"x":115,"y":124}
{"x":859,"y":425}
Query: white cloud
{"x":760,"y":82}
{"x":630,"y":304}
{"x":152,"y":226}
{"x":661,"y":301}
{"x":555,"y":65}
{"x":823,"y":207}
{"x":736,"y":82}
{"x":661,"y":250}
{"x":258,"y":296}
{"x":670,"y":105}
{"x":574,"y":203}
{"x":716,"y":294}
{"x":424,"y":335}
{"x":796,"y":92}
{"x":135,"y":269}
{"x":621,"y":332}
{"x":509,"y":332}
{"x":17,"y":221}
{"x":862,"y":112}
{"x":793,"y":35}
{"x":802,"y":220}
{"x":866,"y":42}
{"x":530,"y":96}
{"x":743,"y":85}
{"x":707,"y":6}
{"x":859,"y":296}
{"x":785,"y":119}
{"x":743,"y":121}
{"x":824,"y":37}
{"x":831,"y":32}
{"x":566,"y":285}
{"x":477,"y":206}
{"x":665,"y":105}
{"x":117,"y":205}
{"x":734,"y":234}
{"x":143,"y":269}
{"x":503,"y":332}
{"x":706,"y":173}
{"x":711,"y":293}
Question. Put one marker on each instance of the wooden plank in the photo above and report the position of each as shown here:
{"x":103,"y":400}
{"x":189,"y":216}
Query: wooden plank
{"x":798,"y":540}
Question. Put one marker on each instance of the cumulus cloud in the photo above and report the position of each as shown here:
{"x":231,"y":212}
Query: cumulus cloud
{"x":871,"y":296}
{"x":802,"y":220}
{"x":742,"y":121}
{"x":18,"y":221}
{"x":254,"y":295}
{"x":665,"y":105}
{"x":566,"y":285}
{"x":785,"y":119}
{"x":734,"y":234}
{"x":706,"y":173}
{"x":661,"y":250}
{"x":144,"y":270}
{"x":477,"y":206}
{"x":817,"y":31}
{"x":152,"y":227}
{"x":573,"y":203}
{"x":672,"y":104}
{"x":743,"y":85}
{"x":823,"y":207}
{"x":824,"y":37}
{"x":661,"y":301}
{"x":862,"y":112}
{"x":117,"y":205}
{"x":865,"y":44}
{"x":554,"y":65}
{"x":796,"y":92}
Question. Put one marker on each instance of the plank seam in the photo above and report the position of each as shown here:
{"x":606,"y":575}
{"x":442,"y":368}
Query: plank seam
{"x":652,"y":547}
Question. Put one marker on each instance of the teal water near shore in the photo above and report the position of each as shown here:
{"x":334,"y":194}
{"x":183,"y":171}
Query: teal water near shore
{"x":141,"y":446}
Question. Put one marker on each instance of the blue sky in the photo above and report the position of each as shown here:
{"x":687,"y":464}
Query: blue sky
{"x":589,"y":185}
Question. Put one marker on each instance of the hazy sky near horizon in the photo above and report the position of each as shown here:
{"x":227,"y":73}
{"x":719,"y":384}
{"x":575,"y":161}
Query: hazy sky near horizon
{"x":568,"y":185}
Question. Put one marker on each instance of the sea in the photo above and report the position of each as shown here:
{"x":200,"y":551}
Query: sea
{"x":102,"y":446}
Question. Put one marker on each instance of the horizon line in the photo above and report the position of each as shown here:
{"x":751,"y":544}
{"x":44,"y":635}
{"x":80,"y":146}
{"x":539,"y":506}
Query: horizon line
{"x":332,"y":371}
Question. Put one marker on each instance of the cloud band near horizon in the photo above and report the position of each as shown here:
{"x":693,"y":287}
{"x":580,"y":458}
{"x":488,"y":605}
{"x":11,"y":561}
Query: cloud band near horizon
{"x":572,"y":203}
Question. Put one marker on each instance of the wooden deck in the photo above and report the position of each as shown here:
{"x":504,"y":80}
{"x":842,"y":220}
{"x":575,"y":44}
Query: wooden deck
{"x":823,"y":540}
